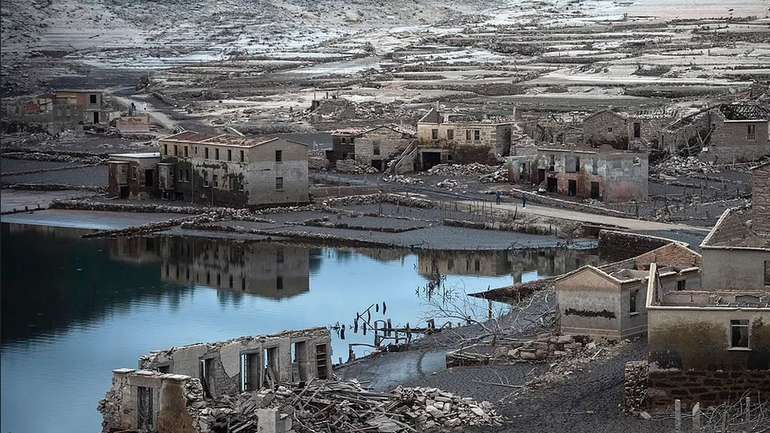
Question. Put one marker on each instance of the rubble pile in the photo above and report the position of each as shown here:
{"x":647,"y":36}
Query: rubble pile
{"x":498,"y":176}
{"x":635,"y":375}
{"x":337,"y":406}
{"x":540,"y":349}
{"x":405,"y":180}
{"x":317,"y":162}
{"x":354,"y":167}
{"x":684,"y":166}
{"x":472,"y":169}
{"x":396,"y":199}
{"x":447,"y":184}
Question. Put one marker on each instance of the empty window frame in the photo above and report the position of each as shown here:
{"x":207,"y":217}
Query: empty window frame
{"x":278,"y":156}
{"x":206,"y":152}
{"x":242,"y":157}
{"x":476,"y":135}
{"x":229,"y":155}
{"x":93,"y":99}
{"x":216,"y":154}
{"x":681,"y":285}
{"x":376,"y":148}
{"x":739,"y":334}
{"x":214,"y":181}
{"x":468,"y":134}
{"x":434,"y":134}
{"x":279,"y":184}
{"x":450,"y":134}
{"x":637,"y":130}
{"x":186,"y":154}
{"x":176,"y":150}
{"x":751,"y":132}
{"x":205,"y":178}
{"x":594,"y":166}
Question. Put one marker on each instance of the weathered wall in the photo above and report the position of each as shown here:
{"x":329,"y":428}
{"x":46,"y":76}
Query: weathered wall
{"x":730,"y":141}
{"x":169,"y":402}
{"x":589,"y":304}
{"x":728,"y":268}
{"x":760,"y":199}
{"x":710,"y":388}
{"x":699,"y":338}
{"x":606,"y":128}
{"x":614,"y":245}
{"x":387,"y":141}
{"x":225,"y":360}
{"x":494,"y":137}
{"x":133,"y":125}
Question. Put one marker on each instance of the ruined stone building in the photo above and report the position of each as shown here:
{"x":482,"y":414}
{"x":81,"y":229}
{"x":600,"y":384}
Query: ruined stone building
{"x":609,"y":301}
{"x":133,"y":175}
{"x":216,"y":170}
{"x":600,"y":174}
{"x":171,"y":390}
{"x":248,"y":363}
{"x":273,"y":271}
{"x":725,"y":133}
{"x":373,"y":146}
{"x":60,"y":110}
{"x":712,"y":343}
{"x":637,"y":131}
{"x":445,"y":137}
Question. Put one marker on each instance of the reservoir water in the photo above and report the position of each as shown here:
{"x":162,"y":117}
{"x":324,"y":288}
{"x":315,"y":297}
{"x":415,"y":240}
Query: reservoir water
{"x":73,"y":309}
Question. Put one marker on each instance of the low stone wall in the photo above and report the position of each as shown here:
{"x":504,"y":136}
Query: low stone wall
{"x":706,"y":387}
{"x":623,"y":245}
{"x":646,"y":386}
{"x":341,"y":191}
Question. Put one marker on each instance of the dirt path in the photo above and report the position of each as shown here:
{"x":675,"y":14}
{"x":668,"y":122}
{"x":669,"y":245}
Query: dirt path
{"x":159,"y":117}
{"x":628,"y":223}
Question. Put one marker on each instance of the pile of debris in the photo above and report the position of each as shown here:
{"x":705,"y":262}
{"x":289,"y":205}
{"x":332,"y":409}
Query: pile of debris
{"x":498,"y":176}
{"x":447,"y":184}
{"x":405,"y":180}
{"x":539,"y":349}
{"x":354,"y":167}
{"x":473,"y":169}
{"x":337,"y":406}
{"x":684,"y":166}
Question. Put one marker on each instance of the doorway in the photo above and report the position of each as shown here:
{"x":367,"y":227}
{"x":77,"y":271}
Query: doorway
{"x":572,"y":188}
{"x":320,"y":361}
{"x":429,"y":159}
{"x":551,"y":186}
{"x":144,"y":408}
{"x":595,"y":190}
{"x":148,"y":177}
{"x":377,"y":163}
{"x":96,"y":117}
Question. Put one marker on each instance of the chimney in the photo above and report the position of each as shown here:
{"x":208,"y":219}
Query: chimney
{"x":760,"y":198}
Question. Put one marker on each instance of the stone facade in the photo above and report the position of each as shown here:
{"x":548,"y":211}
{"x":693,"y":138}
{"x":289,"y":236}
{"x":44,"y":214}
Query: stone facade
{"x":249,"y":363}
{"x":606,"y":128}
{"x":236,"y":171}
{"x":461,"y":140}
{"x":377,"y":146}
{"x":59,"y":110}
{"x":736,"y":139}
{"x":133,"y":175}
{"x":148,"y":401}
{"x":706,"y":387}
{"x":607,"y":176}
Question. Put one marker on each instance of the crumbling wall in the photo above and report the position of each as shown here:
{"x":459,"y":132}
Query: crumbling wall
{"x":708,"y":387}
{"x":170,"y":408}
{"x":683,"y":339}
{"x":731,"y":142}
{"x":606,"y":128}
{"x":388,"y":142}
{"x":224,"y":360}
{"x":615,"y":245}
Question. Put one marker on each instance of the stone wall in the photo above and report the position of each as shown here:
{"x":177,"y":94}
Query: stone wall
{"x":730,"y":141}
{"x":705,"y":386}
{"x":616,"y":245}
{"x":635,"y":377}
{"x":760,"y":198}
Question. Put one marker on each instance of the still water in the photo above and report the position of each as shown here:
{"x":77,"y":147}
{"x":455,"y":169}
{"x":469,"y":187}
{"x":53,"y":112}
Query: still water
{"x":73,"y":309}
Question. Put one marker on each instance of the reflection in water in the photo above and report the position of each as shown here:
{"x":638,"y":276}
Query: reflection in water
{"x":73,"y":309}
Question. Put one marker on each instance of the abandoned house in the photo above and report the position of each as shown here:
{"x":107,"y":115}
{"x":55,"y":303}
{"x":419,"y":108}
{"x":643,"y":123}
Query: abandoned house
{"x":609,"y":301}
{"x":219,"y":170}
{"x":248,"y":363}
{"x":136,"y":124}
{"x":268,"y":270}
{"x":374,"y":146}
{"x":445,"y":137}
{"x":717,"y":335}
{"x":725,"y":133}
{"x":626,"y":131}
{"x":600,"y":174}
{"x":60,"y":110}
{"x":133,"y":175}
